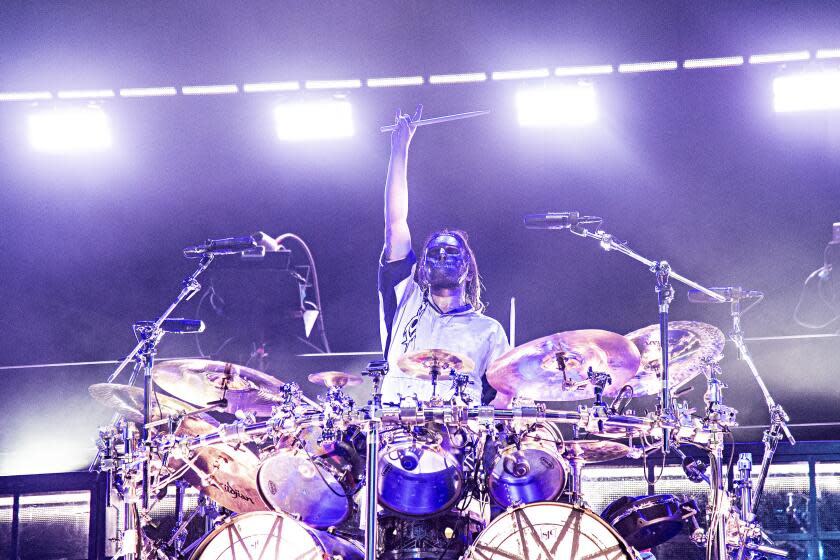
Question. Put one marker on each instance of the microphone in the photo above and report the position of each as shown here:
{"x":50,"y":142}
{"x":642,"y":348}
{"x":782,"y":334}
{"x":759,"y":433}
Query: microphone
{"x":516,"y":464}
{"x":731,"y":293}
{"x":225,"y":246}
{"x":179,"y":326}
{"x":559,"y":220}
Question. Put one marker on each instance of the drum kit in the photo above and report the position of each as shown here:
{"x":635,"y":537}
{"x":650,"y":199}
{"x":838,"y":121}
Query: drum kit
{"x":287,"y":477}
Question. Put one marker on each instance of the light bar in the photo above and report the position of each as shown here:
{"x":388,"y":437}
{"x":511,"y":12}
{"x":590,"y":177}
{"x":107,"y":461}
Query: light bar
{"x":210,"y":90}
{"x":814,"y":91}
{"x":86,"y":94}
{"x":265,"y":87}
{"x":656,"y":66}
{"x":333,"y":84}
{"x":80,"y":129}
{"x":828,"y":53}
{"x":25,"y":95}
{"x":583,"y":70}
{"x":771,"y":58}
{"x":395,"y":82}
{"x":557,"y":106}
{"x":440,"y":79}
{"x":300,"y":121}
{"x":148,"y":92}
{"x":520,"y":74}
{"x":720,"y":62}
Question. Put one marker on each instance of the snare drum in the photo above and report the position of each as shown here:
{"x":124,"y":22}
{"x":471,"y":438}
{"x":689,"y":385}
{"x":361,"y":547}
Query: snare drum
{"x":648,"y":521}
{"x":420,"y":471}
{"x":273,"y":535}
{"x":549,"y":531}
{"x":527,"y":468}
{"x":313,"y":480}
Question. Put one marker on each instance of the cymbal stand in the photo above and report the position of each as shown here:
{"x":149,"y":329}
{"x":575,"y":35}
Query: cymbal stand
{"x":376,"y":371}
{"x":664,"y":292}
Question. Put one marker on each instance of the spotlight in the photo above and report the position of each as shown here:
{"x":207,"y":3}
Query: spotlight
{"x":557,"y":106}
{"x":82,"y":129}
{"x":813,"y":91}
{"x":311,"y":121}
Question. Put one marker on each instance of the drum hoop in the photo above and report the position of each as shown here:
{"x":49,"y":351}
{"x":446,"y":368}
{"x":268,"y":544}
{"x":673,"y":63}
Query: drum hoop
{"x":625,"y":547}
{"x":641,"y":504}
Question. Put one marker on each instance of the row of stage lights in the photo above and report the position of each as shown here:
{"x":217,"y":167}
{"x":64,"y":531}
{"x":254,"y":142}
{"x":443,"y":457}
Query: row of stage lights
{"x":86,"y":128}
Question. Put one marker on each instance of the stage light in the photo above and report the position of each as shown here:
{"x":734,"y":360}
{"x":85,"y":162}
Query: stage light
{"x":583,"y":70}
{"x":395,"y":82}
{"x":828,"y":53}
{"x":148,"y":92}
{"x":25,"y":95}
{"x":812,"y":91}
{"x":656,"y":66}
{"x":557,"y":106}
{"x":82,"y":129}
{"x":779,"y":57}
{"x":314,"y":120}
{"x":520,"y":74}
{"x":86,"y":94}
{"x":333,"y":84}
{"x":439,"y":79}
{"x":210,"y":90}
{"x":719,"y":62}
{"x":264,"y":87}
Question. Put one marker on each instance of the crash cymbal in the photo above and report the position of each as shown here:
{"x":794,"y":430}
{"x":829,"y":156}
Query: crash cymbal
{"x":335,"y":378}
{"x":533,"y":371}
{"x":202,"y":381}
{"x":594,"y":451}
{"x":419,"y":364}
{"x":128,"y":401}
{"x":689,"y":344}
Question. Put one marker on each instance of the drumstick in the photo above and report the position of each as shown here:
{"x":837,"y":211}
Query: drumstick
{"x":436,"y":120}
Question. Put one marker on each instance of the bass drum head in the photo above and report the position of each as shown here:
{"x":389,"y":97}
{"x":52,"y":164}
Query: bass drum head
{"x":549,"y":531}
{"x":272,"y":536}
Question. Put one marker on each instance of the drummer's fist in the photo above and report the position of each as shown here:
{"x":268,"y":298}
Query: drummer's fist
{"x":405,"y":128}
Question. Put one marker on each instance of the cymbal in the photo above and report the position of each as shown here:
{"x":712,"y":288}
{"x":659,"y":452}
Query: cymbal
{"x":532,"y":369}
{"x":419,"y":364}
{"x":689,"y":343}
{"x":202,"y":381}
{"x":594,"y":451}
{"x":335,"y":378}
{"x":128,"y":402}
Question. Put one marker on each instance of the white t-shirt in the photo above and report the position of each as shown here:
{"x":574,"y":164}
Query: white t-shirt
{"x":410,"y":322}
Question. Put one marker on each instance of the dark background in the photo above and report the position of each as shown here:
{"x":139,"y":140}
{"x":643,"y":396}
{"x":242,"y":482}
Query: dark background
{"x":692,"y":166}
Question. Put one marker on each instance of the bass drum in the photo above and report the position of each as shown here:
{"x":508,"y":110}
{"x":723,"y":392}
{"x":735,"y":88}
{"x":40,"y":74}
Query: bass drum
{"x":312,"y":480}
{"x":549,"y":531}
{"x":275,"y":536}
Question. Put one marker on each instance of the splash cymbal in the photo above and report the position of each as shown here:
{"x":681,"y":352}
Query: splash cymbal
{"x":335,"y":378}
{"x":689,"y":344}
{"x":534,"y":370}
{"x":421,"y":363}
{"x":202,"y":381}
{"x":128,"y":402}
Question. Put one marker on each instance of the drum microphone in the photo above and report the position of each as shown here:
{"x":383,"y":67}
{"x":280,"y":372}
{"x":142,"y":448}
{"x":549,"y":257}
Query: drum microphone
{"x":730,"y":293}
{"x":224,"y":246}
{"x":178,"y":326}
{"x":559,"y":220}
{"x":516,"y":464}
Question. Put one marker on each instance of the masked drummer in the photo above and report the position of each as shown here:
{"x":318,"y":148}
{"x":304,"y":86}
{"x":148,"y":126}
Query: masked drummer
{"x":431,"y":300}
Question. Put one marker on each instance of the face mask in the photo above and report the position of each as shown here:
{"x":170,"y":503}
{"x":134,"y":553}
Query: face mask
{"x":445,"y":263}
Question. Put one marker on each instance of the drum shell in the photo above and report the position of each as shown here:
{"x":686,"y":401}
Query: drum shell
{"x":316,"y":482}
{"x":549,"y":531}
{"x":266,"y":531}
{"x":547,"y":469}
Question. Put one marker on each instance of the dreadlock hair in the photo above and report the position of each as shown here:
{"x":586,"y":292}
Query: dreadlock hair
{"x":473,"y":285}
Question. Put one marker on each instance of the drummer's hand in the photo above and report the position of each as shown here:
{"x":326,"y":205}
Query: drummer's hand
{"x":265,"y":240}
{"x":402,"y":135}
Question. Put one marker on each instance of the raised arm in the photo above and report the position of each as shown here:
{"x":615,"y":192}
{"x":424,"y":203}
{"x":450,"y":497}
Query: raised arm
{"x":397,"y":234}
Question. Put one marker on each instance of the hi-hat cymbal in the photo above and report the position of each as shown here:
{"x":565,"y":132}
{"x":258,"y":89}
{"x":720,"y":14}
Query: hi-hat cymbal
{"x":689,"y":344}
{"x":533,"y":370}
{"x":128,"y":402}
{"x":594,"y":451}
{"x":202,"y":381}
{"x":421,"y":363}
{"x":335,"y":378}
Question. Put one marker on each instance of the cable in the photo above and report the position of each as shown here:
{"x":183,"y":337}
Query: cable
{"x":821,"y":271}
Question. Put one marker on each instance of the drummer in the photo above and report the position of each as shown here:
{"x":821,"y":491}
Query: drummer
{"x":434,"y":303}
